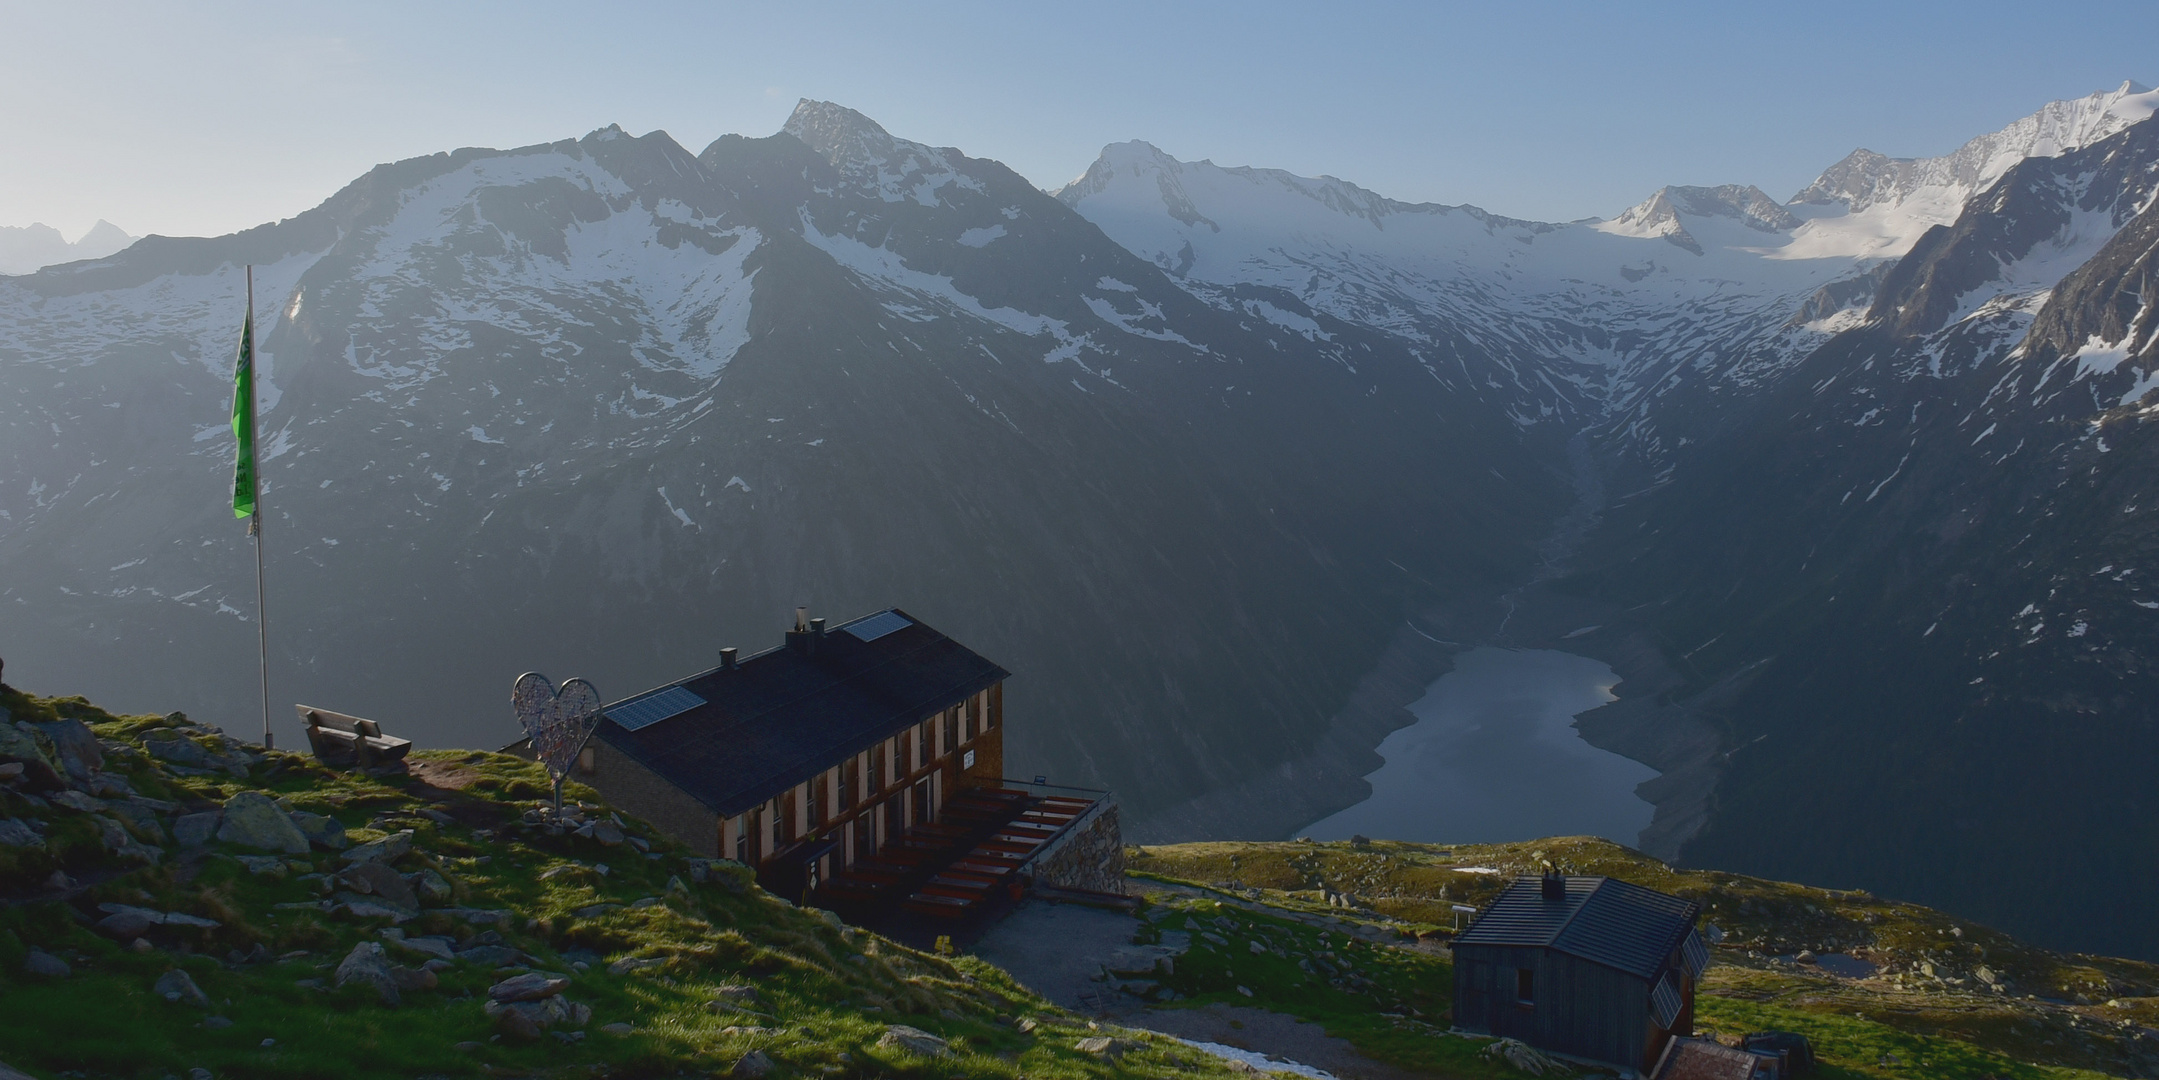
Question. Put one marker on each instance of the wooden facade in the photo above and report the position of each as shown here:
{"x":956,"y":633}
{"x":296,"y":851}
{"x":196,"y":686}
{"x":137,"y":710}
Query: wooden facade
{"x":860,"y":803}
{"x":1574,"y":966}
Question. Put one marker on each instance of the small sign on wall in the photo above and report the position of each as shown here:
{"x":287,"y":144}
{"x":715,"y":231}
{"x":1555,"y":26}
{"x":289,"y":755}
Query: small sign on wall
{"x":967,"y":760}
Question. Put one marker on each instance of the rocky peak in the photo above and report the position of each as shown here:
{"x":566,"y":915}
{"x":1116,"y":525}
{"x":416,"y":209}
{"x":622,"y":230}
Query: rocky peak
{"x":1660,"y":215}
{"x":838,"y":132}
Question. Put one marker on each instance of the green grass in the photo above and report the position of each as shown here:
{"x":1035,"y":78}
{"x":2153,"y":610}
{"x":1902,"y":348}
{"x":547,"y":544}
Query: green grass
{"x":1395,"y":1012}
{"x":1948,"y":1024}
{"x":828,"y":992}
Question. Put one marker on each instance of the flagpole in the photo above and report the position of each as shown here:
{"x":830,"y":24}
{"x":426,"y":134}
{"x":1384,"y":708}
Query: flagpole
{"x":254,"y":522}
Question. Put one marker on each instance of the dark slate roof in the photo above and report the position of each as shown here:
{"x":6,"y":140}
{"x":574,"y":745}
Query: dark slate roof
{"x":784,"y":715}
{"x":1602,"y":920}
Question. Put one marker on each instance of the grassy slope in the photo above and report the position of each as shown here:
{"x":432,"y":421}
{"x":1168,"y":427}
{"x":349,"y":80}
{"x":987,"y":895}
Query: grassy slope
{"x":1928,"y":1013}
{"x":830,"y":991}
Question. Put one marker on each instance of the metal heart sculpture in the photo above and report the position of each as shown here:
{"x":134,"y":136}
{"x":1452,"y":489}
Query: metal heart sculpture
{"x":557,"y":721}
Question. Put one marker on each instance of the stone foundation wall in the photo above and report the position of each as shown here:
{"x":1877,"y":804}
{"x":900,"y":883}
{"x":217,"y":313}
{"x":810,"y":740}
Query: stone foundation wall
{"x":1089,"y":857}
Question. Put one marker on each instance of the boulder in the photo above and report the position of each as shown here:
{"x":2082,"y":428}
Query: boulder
{"x":607,"y":833}
{"x":264,"y":864}
{"x":125,"y":923}
{"x":366,"y":964}
{"x":513,"y":1023}
{"x":14,"y":832}
{"x":913,"y":1041}
{"x":431,"y":887}
{"x":140,"y":820}
{"x":38,"y":772}
{"x":388,"y":849}
{"x":177,"y":748}
{"x":195,"y":830}
{"x":531,"y":986}
{"x":253,"y":820}
{"x":321,"y":830}
{"x":378,"y":880}
{"x":177,"y":985}
{"x":617,"y":1029}
{"x":754,"y":1065}
{"x":410,"y":979}
{"x":77,"y":748}
{"x":46,"y":965}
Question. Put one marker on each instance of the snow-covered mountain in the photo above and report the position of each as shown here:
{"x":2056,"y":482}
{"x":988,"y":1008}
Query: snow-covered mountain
{"x":603,"y":406}
{"x":1185,"y":446}
{"x":27,"y":248}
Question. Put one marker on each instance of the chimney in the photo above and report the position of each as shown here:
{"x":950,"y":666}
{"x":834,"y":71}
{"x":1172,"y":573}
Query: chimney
{"x":727,"y":659}
{"x":802,"y":638}
{"x":1555,"y":884}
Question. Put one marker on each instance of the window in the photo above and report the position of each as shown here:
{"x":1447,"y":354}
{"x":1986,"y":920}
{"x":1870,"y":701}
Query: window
{"x":989,"y":716}
{"x":588,"y":761}
{"x":877,"y":768}
{"x":1525,"y":985}
{"x":922,"y":743}
{"x":820,"y":791}
{"x":850,"y":782}
{"x":944,"y":733}
{"x":967,"y":725}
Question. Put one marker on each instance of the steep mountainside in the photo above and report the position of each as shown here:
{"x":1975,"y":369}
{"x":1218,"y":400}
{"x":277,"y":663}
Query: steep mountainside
{"x":1917,"y":571}
{"x":601,"y":407}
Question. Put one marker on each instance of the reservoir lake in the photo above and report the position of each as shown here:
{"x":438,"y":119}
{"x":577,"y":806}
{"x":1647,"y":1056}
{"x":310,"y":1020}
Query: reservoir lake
{"x":1494,"y":756}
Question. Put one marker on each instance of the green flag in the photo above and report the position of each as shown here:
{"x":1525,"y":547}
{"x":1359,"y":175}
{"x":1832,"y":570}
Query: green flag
{"x":243,"y":420}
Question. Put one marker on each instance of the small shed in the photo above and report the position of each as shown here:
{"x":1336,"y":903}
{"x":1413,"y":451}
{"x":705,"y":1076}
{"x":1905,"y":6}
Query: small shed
{"x":1590,"y":967}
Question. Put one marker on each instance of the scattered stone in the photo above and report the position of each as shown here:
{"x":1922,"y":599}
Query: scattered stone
{"x":607,"y":833}
{"x":634,"y":963}
{"x":531,"y":986}
{"x":469,"y":1047}
{"x":591,"y":911}
{"x":177,"y":918}
{"x":195,"y":830}
{"x":437,"y":816}
{"x":388,"y":849}
{"x":16,"y":833}
{"x":492,"y":956}
{"x":176,"y":985}
{"x":216,"y":1023}
{"x":200,"y":1074}
{"x":367,"y":964}
{"x":617,"y":1029}
{"x":140,"y":819}
{"x":739,"y":992}
{"x":321,"y":830}
{"x":913,"y":1041}
{"x":1028,"y":1025}
{"x":431,"y":887}
{"x":78,"y":802}
{"x":46,"y":965}
{"x":264,"y":864}
{"x":253,"y":820}
{"x":1104,"y":1046}
{"x":754,"y":1065}
{"x":367,"y":907}
{"x":410,"y":980}
{"x":432,"y":946}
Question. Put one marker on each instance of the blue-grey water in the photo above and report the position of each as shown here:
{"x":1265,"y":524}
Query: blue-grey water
{"x":1494,"y":756}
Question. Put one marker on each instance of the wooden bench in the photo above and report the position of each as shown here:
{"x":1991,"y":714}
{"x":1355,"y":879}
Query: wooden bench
{"x":347,"y":741}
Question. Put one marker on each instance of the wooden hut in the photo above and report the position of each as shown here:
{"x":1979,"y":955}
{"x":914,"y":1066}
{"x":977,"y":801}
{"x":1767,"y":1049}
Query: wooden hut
{"x":1590,"y":967}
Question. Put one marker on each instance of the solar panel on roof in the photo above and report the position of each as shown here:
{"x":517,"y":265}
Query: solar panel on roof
{"x":877,"y":626}
{"x":653,"y":708}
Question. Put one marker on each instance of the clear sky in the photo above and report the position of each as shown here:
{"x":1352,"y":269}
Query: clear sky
{"x":208,"y":117}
